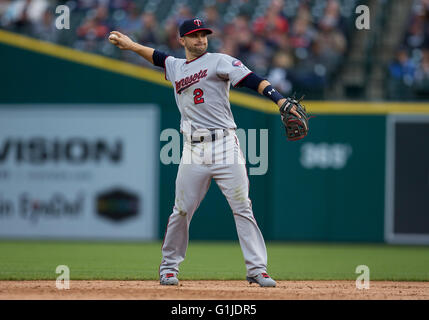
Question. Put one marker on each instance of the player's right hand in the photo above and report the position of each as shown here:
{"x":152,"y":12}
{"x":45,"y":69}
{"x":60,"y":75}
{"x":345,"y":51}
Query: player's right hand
{"x":123,"y":42}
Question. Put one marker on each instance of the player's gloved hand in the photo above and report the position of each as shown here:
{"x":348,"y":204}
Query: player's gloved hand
{"x":295,"y":118}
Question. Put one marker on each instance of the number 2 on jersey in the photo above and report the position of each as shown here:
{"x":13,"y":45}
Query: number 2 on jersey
{"x":198,"y":96}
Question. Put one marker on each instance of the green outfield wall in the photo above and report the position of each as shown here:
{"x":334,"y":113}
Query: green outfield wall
{"x":326,"y":187}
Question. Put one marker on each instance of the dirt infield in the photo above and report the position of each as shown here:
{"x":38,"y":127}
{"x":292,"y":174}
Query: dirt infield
{"x":212,"y":290}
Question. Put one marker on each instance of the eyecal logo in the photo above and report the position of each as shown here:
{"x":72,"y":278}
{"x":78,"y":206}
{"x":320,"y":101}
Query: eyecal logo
{"x":325,"y":155}
{"x":56,"y":206}
{"x":197,"y":22}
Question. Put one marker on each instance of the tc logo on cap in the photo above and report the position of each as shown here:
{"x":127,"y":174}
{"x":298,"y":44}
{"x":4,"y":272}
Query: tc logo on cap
{"x":198,"y":22}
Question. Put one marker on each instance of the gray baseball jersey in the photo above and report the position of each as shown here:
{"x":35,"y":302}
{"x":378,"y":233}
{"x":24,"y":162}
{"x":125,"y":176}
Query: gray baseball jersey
{"x":201,"y":89}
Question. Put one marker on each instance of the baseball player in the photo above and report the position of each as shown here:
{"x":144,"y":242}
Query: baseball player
{"x":201,"y":85}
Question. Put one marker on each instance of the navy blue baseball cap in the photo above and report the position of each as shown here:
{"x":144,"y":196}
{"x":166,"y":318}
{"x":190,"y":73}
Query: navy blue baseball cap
{"x":193,"y":25}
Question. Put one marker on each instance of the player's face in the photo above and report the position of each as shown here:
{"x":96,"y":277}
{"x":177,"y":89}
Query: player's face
{"x":196,"y":42}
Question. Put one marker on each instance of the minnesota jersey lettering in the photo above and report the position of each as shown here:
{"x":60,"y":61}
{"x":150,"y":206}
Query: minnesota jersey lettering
{"x":184,"y":83}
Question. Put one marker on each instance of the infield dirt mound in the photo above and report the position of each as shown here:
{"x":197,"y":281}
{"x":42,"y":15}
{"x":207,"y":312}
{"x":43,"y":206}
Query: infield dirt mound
{"x":212,"y":290}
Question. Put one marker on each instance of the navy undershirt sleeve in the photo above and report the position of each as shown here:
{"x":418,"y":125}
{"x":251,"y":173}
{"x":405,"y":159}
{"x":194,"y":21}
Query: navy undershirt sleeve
{"x":252,"y":81}
{"x":159,"y":58}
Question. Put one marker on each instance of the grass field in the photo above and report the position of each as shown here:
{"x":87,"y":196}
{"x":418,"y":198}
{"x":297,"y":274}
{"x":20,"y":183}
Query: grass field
{"x":37,"y":260}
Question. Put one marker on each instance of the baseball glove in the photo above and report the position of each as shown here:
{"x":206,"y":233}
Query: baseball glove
{"x":296,"y":128}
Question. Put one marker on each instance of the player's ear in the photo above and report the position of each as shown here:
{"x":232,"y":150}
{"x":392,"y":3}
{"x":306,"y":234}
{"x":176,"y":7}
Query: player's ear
{"x":182,"y":41}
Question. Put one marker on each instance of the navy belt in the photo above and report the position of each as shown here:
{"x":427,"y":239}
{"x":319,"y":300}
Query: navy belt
{"x":202,"y":139}
{"x":213,"y":136}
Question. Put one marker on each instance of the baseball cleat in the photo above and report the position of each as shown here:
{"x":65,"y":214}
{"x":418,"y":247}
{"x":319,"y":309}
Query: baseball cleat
{"x":169,"y":279}
{"x":263,"y":279}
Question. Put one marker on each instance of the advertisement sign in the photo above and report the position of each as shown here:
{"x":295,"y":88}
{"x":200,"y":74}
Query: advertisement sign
{"x":407,"y":179}
{"x":337,"y":177}
{"x":79,"y":171}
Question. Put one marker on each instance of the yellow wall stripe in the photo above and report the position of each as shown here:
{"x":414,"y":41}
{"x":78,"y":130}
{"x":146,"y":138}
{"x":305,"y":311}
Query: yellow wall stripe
{"x":242,"y":99}
{"x":333,"y":107}
{"x":84,"y":58}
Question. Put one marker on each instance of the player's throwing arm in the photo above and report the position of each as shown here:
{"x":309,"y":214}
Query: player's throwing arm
{"x":123,"y":42}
